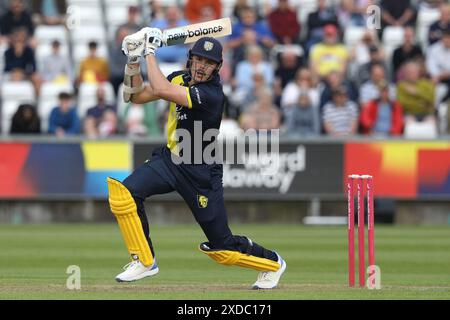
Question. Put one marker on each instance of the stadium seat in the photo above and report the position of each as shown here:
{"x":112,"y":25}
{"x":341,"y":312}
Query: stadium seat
{"x":48,"y":99}
{"x":87,"y":96}
{"x":352,"y":35}
{"x":47,"y":34}
{"x":392,"y":39}
{"x":85,"y":34}
{"x":425,"y":18}
{"x":13,"y":94}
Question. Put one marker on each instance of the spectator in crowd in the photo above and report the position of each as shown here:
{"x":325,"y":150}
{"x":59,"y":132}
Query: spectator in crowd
{"x":20,"y":62}
{"x":249,"y":39}
{"x":152,"y":12}
{"x":284,"y":24}
{"x":56,"y":67}
{"x":304,"y":84}
{"x":240,"y":5}
{"x":249,"y":20}
{"x":26,"y":120}
{"x":416,"y":95}
{"x":289,"y":61}
{"x":340,"y":116}
{"x":117,"y":60}
{"x":16,"y":17}
{"x":302,"y":118}
{"x":438,"y":61}
{"x":370,"y":90}
{"x":360,"y":53}
{"x":334,"y":81}
{"x":262,"y":114}
{"x":353,"y":12}
{"x":242,"y":98}
{"x":382,"y":116}
{"x":437,"y":28}
{"x":398,"y":13}
{"x":173,"y":19}
{"x":409,"y":50}
{"x":193,"y":9}
{"x":93,"y":68}
{"x":63,"y":118}
{"x":133,"y":21}
{"x":376,"y":57}
{"x":49,"y":12}
{"x":317,"y":20}
{"x":207,"y":13}
{"x":101,"y":119}
{"x":254,"y":63}
{"x":329,"y":55}
{"x":141,"y":120}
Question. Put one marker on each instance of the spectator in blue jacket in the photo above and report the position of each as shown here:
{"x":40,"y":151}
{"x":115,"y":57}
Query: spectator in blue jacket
{"x":63,"y":118}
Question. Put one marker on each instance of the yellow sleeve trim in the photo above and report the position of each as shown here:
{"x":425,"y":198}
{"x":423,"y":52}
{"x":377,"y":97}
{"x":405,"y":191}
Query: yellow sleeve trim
{"x":189,"y":98}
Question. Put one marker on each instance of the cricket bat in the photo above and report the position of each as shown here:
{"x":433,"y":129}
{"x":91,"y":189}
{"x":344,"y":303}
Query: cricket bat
{"x":193,"y":32}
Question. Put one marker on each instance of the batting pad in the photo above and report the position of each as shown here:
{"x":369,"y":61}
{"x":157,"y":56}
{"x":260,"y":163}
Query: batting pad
{"x":236,"y":258}
{"x":124,"y":208}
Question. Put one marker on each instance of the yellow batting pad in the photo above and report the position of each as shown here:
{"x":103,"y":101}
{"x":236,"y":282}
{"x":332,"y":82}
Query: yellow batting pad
{"x":124,"y":208}
{"x":236,"y":258}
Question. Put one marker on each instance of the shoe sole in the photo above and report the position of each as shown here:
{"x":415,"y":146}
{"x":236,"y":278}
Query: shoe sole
{"x":283,"y":268}
{"x":141,"y":276}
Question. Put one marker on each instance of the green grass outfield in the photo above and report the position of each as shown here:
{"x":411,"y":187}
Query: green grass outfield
{"x":414,"y":262}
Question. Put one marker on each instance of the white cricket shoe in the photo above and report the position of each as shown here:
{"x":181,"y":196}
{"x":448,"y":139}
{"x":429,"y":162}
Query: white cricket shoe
{"x":135,"y":270}
{"x":269,"y":279}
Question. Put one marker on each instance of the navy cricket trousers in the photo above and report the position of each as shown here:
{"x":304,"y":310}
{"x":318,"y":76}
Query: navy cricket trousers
{"x":194,"y":183}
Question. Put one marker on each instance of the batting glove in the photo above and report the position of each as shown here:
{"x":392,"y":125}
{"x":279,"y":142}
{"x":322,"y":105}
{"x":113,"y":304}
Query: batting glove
{"x":133,"y":46}
{"x":154,"y":40}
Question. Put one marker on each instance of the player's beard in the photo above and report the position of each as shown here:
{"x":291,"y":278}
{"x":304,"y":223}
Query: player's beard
{"x":200,"y":76}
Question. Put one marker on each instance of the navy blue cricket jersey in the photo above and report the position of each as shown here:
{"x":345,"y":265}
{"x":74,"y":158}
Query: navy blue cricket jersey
{"x":206,"y":100}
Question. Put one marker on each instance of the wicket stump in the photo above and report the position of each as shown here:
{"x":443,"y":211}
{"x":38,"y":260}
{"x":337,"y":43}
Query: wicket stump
{"x":361,"y":182}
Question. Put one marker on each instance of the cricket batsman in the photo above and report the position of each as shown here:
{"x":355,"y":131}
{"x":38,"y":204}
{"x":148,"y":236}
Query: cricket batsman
{"x":195,"y":94}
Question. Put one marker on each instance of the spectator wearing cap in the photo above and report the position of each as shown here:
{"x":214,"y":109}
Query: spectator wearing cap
{"x":329,"y":55}
{"x":284,"y":24}
{"x":376,"y":55}
{"x":409,"y":50}
{"x":382,"y":116}
{"x":340,"y":115}
{"x":56,"y":67}
{"x":193,"y":9}
{"x":316,"y":22}
{"x":437,"y":28}
{"x":333,"y":81}
{"x":438,"y":61}
{"x":63,"y":118}
{"x":93,"y":69}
